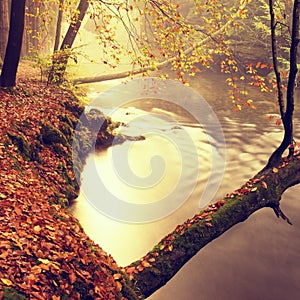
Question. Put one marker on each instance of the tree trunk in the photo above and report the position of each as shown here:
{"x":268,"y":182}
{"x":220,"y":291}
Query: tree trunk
{"x":14,"y":44}
{"x":58,"y":25}
{"x":4,"y":26}
{"x":60,"y":59}
{"x":158,"y":266}
{"x":286,"y":109}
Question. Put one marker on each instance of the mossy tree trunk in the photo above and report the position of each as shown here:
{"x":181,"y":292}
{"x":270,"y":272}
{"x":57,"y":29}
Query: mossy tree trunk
{"x":158,"y":266}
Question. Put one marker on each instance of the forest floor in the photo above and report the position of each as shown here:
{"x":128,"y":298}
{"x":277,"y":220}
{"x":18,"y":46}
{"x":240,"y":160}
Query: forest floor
{"x":45,"y":253}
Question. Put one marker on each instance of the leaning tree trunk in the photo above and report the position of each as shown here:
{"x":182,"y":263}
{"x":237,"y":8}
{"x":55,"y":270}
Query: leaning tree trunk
{"x":158,"y":266}
{"x":14,"y":44}
{"x":60,"y":58}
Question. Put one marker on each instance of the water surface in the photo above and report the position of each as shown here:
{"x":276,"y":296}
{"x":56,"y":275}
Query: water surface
{"x":257,"y":259}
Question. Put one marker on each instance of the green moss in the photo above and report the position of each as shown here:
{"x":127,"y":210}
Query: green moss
{"x":66,"y":129}
{"x":12,"y":294}
{"x":23,"y":145}
{"x":83,"y":288}
{"x":51,"y":135}
{"x":75,"y":109}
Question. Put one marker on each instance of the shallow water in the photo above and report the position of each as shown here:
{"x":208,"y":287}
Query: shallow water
{"x":257,"y":259}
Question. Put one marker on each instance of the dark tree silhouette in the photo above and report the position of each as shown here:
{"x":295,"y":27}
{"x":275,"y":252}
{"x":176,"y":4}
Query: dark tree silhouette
{"x":14,"y":44}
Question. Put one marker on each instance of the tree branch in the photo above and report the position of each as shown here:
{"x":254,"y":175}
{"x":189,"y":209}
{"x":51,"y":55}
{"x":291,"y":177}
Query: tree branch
{"x":160,"y":65}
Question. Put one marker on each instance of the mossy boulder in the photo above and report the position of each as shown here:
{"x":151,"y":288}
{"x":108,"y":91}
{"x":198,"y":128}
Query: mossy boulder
{"x":50,"y":135}
{"x":26,"y":149}
{"x":74,"y":108}
{"x":95,"y":120}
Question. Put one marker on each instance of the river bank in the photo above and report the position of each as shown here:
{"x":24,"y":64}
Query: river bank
{"x":45,"y":253}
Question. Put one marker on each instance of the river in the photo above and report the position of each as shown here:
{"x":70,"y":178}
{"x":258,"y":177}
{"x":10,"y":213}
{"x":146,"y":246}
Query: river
{"x":257,"y":259}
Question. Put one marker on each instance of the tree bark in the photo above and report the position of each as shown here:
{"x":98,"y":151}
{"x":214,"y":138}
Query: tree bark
{"x":287,"y":109}
{"x":60,"y":59}
{"x":58,"y":25}
{"x":4,"y":26}
{"x":158,"y":266}
{"x":14,"y":44}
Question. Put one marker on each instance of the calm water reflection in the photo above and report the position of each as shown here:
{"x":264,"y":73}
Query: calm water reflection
{"x":257,"y":259}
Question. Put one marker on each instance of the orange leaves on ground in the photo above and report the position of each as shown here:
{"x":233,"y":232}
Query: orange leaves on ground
{"x":43,"y":250}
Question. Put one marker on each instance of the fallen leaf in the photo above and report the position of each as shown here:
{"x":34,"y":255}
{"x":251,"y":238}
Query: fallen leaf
{"x":119,"y":285}
{"x":72,"y":277}
{"x":117,"y":276}
{"x":145,"y":264}
{"x":6,"y":281}
{"x":37,"y":229}
{"x":264,"y":185}
{"x":44,"y":260}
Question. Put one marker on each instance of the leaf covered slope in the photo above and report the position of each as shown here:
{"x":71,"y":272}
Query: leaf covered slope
{"x":44,"y":253}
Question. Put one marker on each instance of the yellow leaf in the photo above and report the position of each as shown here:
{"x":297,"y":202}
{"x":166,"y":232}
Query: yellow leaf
{"x":50,"y":228}
{"x":145,"y":264}
{"x":119,"y":285}
{"x":3,"y":196}
{"x":44,"y":261}
{"x":6,"y":281}
{"x":37,"y":229}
